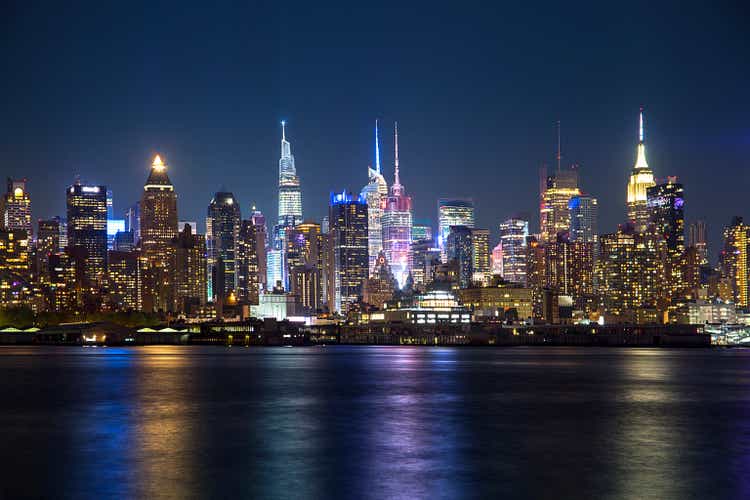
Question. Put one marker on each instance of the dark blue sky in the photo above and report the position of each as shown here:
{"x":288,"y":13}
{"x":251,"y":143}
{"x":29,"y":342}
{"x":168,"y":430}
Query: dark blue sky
{"x":96,"y":89}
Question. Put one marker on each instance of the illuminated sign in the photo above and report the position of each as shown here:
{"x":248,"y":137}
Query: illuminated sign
{"x":89,"y":189}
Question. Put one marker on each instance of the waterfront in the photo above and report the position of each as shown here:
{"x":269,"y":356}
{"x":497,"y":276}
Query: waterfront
{"x":374,"y":422}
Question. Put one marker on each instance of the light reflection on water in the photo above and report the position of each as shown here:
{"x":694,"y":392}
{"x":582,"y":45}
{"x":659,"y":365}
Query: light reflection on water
{"x":374,"y":422}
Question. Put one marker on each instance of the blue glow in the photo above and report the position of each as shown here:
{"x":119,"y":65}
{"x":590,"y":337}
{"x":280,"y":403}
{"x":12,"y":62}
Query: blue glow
{"x":574,"y":203}
{"x":114,"y":226}
{"x":678,"y":203}
{"x":344,"y":198}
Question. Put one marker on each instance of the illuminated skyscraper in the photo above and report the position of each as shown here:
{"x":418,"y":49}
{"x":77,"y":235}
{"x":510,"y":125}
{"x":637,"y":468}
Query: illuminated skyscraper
{"x":15,"y":267}
{"x":47,"y":243}
{"x":248,"y":267}
{"x":189,"y":264}
{"x":735,"y":260}
{"x":554,"y":211}
{"x":584,"y":214}
{"x":397,"y":221}
{"x":87,"y":229}
{"x":513,"y":235}
{"x":641,"y":178}
{"x":452,"y":212}
{"x":348,"y":235}
{"x":421,"y":232}
{"x":697,"y":237}
{"x":16,"y":207}
{"x":480,"y":251}
{"x":374,"y":193}
{"x":222,"y":229}
{"x":261,"y":243}
{"x":290,"y":194}
{"x":123,"y":281}
{"x":158,"y":226}
{"x":666,"y":206}
{"x":460,"y":250}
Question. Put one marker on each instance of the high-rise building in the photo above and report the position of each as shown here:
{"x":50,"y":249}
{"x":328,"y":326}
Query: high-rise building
{"x":697,"y":237}
{"x":189,"y":264}
{"x":397,"y":222}
{"x":158,"y":227}
{"x":274,"y":265}
{"x":261,"y":243}
{"x":584,"y":214}
{"x":421,"y":231}
{"x":124,"y":276}
{"x":513,"y":235}
{"x":16,"y":207}
{"x":735,"y":260}
{"x":248,"y":267}
{"x":641,"y":178}
{"x":222,"y":231}
{"x":374,"y":193}
{"x":290,"y":194}
{"x":379,"y":287}
{"x":348,"y":235}
{"x":87,"y":229}
{"x":453,"y":212}
{"x":496,"y":260}
{"x":425,"y":260}
{"x":15,"y":267}
{"x":133,"y":221}
{"x":47,"y":243}
{"x":666,"y":206}
{"x":480,"y":251}
{"x":459,"y":248}
{"x":557,"y":191}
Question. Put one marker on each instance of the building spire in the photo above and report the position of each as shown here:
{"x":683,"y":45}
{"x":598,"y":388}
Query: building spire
{"x":283,"y":130}
{"x":396,"y":180}
{"x":559,"y":147}
{"x":377,"y":148}
{"x":640,"y":162}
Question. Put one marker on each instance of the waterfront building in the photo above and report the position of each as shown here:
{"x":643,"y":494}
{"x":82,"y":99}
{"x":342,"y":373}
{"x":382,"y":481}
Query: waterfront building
{"x":16,"y":207}
{"x":480,"y":255}
{"x":379,"y":287}
{"x":501,"y":301}
{"x":641,"y":178}
{"x":222,"y":231}
{"x":453,"y":212}
{"x":15,"y":267}
{"x":397,"y":222}
{"x":513,"y":235}
{"x":189,"y":263}
{"x":459,"y":248}
{"x":348,"y":234}
{"x":435,"y":307}
{"x":375,"y":193}
{"x":698,"y":238}
{"x":158,"y":226}
{"x":735,"y":260}
{"x":87,"y":229}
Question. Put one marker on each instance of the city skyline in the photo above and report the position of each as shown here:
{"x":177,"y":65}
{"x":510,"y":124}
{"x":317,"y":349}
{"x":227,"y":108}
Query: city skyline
{"x":500,"y":126}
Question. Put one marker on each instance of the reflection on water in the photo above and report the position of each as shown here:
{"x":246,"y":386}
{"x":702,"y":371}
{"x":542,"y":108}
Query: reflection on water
{"x":374,"y":422}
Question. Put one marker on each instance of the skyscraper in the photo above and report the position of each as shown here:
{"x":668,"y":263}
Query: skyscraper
{"x":697,"y":237}
{"x":248,"y":267}
{"x":513,"y":235}
{"x":641,"y":178}
{"x":374,"y":193}
{"x":261,"y":243}
{"x":16,"y":207}
{"x":47,"y":243}
{"x":584,"y":214}
{"x":735,"y":260}
{"x":421,"y":232}
{"x":480,"y":251}
{"x":222,"y":229}
{"x":453,"y":212}
{"x":158,"y":226}
{"x":290,"y":194}
{"x":87,"y":228}
{"x":397,"y":221}
{"x":459,"y":249}
{"x":557,"y":191}
{"x":189,"y":264}
{"x":348,"y":235}
{"x":666,"y":206}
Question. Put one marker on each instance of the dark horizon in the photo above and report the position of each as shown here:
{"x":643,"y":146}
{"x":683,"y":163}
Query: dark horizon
{"x":97,"y":90}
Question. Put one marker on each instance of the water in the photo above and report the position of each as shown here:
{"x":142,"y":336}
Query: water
{"x":374,"y":422}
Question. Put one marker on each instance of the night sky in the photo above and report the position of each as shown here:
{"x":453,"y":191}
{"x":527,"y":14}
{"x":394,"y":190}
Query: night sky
{"x":96,"y":89}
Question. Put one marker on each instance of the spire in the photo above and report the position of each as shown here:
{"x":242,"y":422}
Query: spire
{"x":559,"y":148}
{"x":283,"y":130}
{"x":286,"y":149}
{"x":640,"y":162}
{"x":377,"y":148}
{"x":396,"y":181}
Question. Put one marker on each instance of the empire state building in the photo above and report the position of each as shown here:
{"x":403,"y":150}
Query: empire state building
{"x":641,"y":178}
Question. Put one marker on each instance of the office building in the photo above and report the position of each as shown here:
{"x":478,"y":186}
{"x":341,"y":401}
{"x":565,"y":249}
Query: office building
{"x":87,"y":229}
{"x":348,"y":235}
{"x":248,"y":267}
{"x":222,"y":231}
{"x":397,"y":222}
{"x":453,"y":212}
{"x":16,"y":207}
{"x":189,"y":263}
{"x":513,"y":235}
{"x":734,"y":260}
{"x":480,"y":250}
{"x":698,"y":238}
{"x":641,"y":178}
{"x":584,"y":214}
{"x":375,"y":193}
{"x":459,"y":248}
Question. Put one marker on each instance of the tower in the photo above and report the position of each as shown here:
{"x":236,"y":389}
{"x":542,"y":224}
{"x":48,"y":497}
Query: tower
{"x":222,"y":233}
{"x":348,"y":241}
{"x":16,"y":208}
{"x":374,"y":193}
{"x":397,"y":221}
{"x":641,"y":178}
{"x":87,"y":229}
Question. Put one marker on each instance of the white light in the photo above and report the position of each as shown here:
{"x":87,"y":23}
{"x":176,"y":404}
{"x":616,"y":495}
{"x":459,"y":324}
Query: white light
{"x":90,"y":189}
